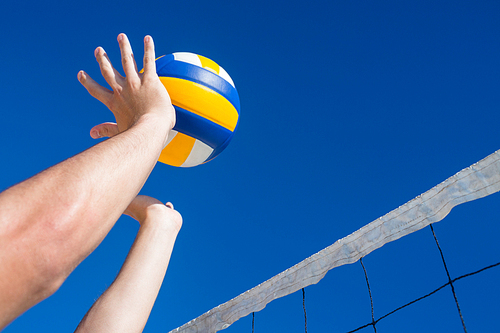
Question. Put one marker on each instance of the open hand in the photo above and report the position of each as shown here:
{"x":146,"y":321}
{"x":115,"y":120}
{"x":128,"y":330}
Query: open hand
{"x":134,"y":96}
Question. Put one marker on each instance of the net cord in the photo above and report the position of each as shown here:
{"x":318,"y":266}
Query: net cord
{"x":427,"y":295}
{"x":477,"y":181}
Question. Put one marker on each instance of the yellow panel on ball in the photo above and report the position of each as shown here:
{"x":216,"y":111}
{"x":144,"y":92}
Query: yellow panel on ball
{"x":200,"y":100}
{"x":177,"y":151}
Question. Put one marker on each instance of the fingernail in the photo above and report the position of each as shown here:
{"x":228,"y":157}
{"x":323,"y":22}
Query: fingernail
{"x":120,"y":37}
{"x":147,"y":39}
{"x":95,"y":134}
{"x":81,"y":75}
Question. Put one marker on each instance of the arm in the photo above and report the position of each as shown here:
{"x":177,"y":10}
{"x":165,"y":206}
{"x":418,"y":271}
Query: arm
{"x":126,"y":304}
{"x":52,"y":221}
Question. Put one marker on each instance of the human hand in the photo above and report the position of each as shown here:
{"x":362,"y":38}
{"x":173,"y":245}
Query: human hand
{"x":148,"y":210}
{"x":132,"y":97}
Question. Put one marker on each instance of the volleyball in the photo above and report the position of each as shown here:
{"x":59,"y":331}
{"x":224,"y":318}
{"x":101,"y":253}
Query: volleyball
{"x":207,"y":108}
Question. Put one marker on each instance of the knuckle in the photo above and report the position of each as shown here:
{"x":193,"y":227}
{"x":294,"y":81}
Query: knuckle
{"x":128,"y":58}
{"x":117,"y":89}
{"x":133,"y":83}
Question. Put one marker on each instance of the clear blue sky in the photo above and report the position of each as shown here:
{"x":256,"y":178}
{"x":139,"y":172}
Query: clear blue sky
{"x":348,"y":110}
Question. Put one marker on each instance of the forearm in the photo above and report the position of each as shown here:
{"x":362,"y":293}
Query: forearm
{"x":126,"y":305}
{"x":112,"y":173}
{"x":65,"y":211}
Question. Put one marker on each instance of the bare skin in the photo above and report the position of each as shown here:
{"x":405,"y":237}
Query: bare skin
{"x":125,"y":306}
{"x":52,"y":221}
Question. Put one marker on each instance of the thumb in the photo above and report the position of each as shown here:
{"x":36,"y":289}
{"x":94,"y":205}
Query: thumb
{"x":104,"y":130}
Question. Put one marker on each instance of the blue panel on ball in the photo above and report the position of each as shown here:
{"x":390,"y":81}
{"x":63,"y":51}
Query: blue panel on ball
{"x":167,"y":66}
{"x":223,"y":146}
{"x":201,"y":128}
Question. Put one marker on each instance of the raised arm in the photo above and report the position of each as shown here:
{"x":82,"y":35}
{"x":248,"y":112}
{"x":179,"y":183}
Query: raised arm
{"x":125,"y":306}
{"x":52,"y":221}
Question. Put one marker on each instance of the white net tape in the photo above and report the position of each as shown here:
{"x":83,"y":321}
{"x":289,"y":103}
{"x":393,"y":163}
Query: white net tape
{"x":477,"y":181}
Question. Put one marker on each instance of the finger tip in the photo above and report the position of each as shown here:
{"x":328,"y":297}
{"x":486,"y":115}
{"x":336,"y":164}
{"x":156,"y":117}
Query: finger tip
{"x":94,"y":134}
{"x":81,"y":76}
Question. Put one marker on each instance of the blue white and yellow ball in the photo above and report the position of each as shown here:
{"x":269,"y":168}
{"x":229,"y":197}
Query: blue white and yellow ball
{"x":207,"y":108}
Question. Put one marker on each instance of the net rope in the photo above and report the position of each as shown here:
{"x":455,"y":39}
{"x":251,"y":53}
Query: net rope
{"x":304,"y":307}
{"x":373,"y":323}
{"x":477,"y":181}
{"x":449,"y":283}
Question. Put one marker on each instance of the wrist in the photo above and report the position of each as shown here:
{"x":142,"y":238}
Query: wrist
{"x":158,"y":124}
{"x":159,"y":120}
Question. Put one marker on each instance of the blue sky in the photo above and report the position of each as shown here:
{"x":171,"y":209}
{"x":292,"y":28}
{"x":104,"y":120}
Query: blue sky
{"x":348,"y":110}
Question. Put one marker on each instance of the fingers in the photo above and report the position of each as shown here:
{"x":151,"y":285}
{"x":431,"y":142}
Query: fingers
{"x":124,"y":89}
{"x":95,"y":89}
{"x":128,"y":61}
{"x":110,"y":74}
{"x":138,"y":208}
{"x":105,"y":130}
{"x":149,"y":56}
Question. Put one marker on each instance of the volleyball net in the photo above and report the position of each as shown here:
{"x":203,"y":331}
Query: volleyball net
{"x":477,"y":181}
